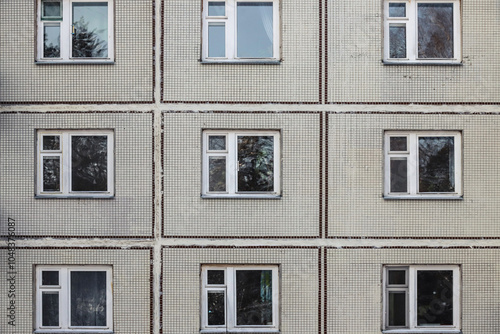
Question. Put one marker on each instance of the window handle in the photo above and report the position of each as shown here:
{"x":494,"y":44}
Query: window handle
{"x":72,"y":29}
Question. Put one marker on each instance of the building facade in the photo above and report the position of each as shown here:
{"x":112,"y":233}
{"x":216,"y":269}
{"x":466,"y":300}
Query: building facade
{"x":249,"y":166}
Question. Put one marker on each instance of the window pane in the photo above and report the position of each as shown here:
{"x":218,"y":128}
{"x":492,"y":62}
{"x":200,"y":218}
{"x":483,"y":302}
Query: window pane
{"x":51,"y":41}
{"x":90,"y":38}
{"x":216,"y":309}
{"x":256,"y":163}
{"x":217,"y":40}
{"x":50,"y":277}
{"x":398,"y":144}
{"x":88,"y":298}
{"x":217,"y":174}
{"x":51,"y":143}
{"x":254,"y":304}
{"x":397,"y":277}
{"x":397,"y":308}
{"x":397,"y":10}
{"x":215,"y":276}
{"x":51,"y":174}
{"x":435,"y":30}
{"x":216,"y":8}
{"x":51,"y":9}
{"x":434,"y":297}
{"x":217,"y":143}
{"x":399,"y":175}
{"x":255,"y":29}
{"x":397,"y":41}
{"x":50,"y":308}
{"x":89,"y":163}
{"x":436,"y":164}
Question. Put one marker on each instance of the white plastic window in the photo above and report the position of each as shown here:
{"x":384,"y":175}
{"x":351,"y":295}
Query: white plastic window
{"x":240,"y":30}
{"x":73,"y":299}
{"x":421,"y":299}
{"x":242,"y":163}
{"x":240,"y":298}
{"x":75,"y":30}
{"x":422,"y":31}
{"x":75,"y":163}
{"x":423,"y":164}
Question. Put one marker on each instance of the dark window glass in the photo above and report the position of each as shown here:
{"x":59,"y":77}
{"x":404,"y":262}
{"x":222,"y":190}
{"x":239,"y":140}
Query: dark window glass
{"x":255,"y":29}
{"x":397,"y":41}
{"x":215,"y":276}
{"x":50,"y":308}
{"x":89,"y":163}
{"x":434,"y":297}
{"x":397,"y":10}
{"x":217,"y":174}
{"x":50,"y":277}
{"x":254,"y":304}
{"x":88,"y":298}
{"x":398,"y":144}
{"x":397,"y":308}
{"x":399,"y":175}
{"x":256,"y":163}
{"x":436,"y":164}
{"x":216,"y":314}
{"x":51,"y":174}
{"x":90,"y":22}
{"x":51,"y":143}
{"x":397,"y":277}
{"x":435,"y":30}
{"x":217,"y":143}
{"x":52,"y":41}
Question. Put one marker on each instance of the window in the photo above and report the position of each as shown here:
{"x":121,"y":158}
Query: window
{"x":240,"y":31}
{"x":240,"y":299}
{"x":422,"y":299}
{"x":73,"y":299}
{"x":75,"y":30}
{"x":422,"y":31}
{"x":423,"y":164}
{"x":75,"y":163}
{"x":241,"y":163}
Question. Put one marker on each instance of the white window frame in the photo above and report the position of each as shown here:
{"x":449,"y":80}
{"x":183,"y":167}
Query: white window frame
{"x":412,"y":166}
{"x":63,"y":289}
{"x":229,"y":288}
{"x":66,"y":34}
{"x":411,"y":298}
{"x":64,"y":154}
{"x":231,"y":154}
{"x":229,"y":20}
{"x":411,"y":23}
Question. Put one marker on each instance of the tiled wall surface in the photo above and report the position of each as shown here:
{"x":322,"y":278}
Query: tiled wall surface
{"x":129,"y":79}
{"x":295,"y":214}
{"x":357,"y":306}
{"x":356,"y":179}
{"x":131,"y":270}
{"x":128,"y":213}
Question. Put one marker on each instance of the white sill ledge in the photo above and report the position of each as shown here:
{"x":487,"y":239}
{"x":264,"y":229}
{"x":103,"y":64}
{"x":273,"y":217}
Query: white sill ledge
{"x":74,"y":62}
{"x":422,"y":63}
{"x":242,"y":62}
{"x":75,"y":331}
{"x":422,"y":331}
{"x":241,"y":196}
{"x":239,"y":330}
{"x":424,"y":197}
{"x":75,"y":196}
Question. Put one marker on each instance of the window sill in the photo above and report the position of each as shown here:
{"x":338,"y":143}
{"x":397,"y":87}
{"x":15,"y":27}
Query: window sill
{"x":422,"y":63}
{"x":239,"y":330}
{"x":75,"y":196}
{"x":232,"y":196}
{"x":75,"y":62}
{"x":76,"y":331}
{"x":422,"y":331}
{"x":425,"y":197}
{"x":242,"y":62}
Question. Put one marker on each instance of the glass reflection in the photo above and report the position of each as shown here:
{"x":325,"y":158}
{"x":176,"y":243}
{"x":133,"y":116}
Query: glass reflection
{"x":254,"y":297}
{"x":256,"y":163}
{"x":435,"y":30}
{"x":217,"y":174}
{"x":436,"y":164}
{"x":216,"y":308}
{"x":90,"y":37}
{"x":88,"y":298}
{"x":50,"y":308}
{"x":397,"y":41}
{"x":434,"y":297}
{"x":51,"y":174}
{"x":255,"y":29}
{"x":52,"y":41}
{"x":217,"y":40}
{"x":89,"y":163}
